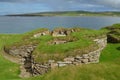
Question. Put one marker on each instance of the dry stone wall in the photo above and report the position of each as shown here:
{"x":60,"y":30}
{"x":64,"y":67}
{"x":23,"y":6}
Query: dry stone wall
{"x":30,"y":68}
{"x":91,"y":57}
{"x":24,"y":55}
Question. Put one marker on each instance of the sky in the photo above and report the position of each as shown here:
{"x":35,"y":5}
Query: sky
{"x":32,"y":6}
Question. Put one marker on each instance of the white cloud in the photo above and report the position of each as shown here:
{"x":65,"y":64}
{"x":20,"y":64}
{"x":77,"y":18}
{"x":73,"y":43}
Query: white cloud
{"x":59,"y":5}
{"x":108,"y":3}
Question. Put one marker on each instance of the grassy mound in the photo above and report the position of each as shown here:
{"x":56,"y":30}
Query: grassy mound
{"x":107,"y":69}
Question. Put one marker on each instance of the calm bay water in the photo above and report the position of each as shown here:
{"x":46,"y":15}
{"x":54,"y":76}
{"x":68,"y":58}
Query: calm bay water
{"x":24,"y":24}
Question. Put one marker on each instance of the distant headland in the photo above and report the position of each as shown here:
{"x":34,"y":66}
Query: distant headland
{"x":70,"y":13}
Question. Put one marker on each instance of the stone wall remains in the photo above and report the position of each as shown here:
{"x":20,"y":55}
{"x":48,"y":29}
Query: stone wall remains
{"x":30,"y":68}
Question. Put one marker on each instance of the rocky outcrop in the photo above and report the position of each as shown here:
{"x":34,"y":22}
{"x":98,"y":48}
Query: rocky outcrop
{"x":31,"y":68}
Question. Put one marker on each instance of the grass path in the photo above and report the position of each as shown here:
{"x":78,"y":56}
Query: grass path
{"x":10,"y":57}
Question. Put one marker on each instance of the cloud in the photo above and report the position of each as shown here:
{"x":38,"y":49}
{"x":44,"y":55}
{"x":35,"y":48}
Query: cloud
{"x":106,"y":3}
{"x":58,"y":5}
{"x":110,"y":3}
{"x":14,"y":8}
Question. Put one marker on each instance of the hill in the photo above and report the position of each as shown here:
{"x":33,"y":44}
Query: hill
{"x":70,"y":13}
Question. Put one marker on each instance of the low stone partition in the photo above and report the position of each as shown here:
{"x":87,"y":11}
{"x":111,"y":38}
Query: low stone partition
{"x":30,"y":68}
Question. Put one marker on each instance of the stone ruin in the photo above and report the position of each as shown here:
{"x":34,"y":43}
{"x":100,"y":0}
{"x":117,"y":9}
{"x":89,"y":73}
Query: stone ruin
{"x":90,"y":57}
{"x":31,"y":68}
{"x":61,"y":32}
{"x":42,"y":33}
{"x":55,"y":33}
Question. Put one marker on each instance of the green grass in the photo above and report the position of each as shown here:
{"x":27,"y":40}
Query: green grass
{"x":107,"y":69}
{"x":83,"y":42}
{"x":45,"y":52}
{"x":112,"y":27}
{"x":116,"y":26}
{"x":8,"y":70}
{"x":27,"y":35}
{"x":111,"y":53}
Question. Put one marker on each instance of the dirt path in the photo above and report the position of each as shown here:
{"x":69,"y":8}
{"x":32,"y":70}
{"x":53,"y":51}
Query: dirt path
{"x":11,"y":58}
{"x":16,"y":60}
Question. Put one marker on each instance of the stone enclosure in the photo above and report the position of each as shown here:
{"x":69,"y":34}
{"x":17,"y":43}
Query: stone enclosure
{"x":31,"y":68}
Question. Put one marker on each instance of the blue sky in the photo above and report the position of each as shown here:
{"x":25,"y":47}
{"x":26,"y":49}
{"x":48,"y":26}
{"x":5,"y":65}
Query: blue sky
{"x":31,"y":6}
